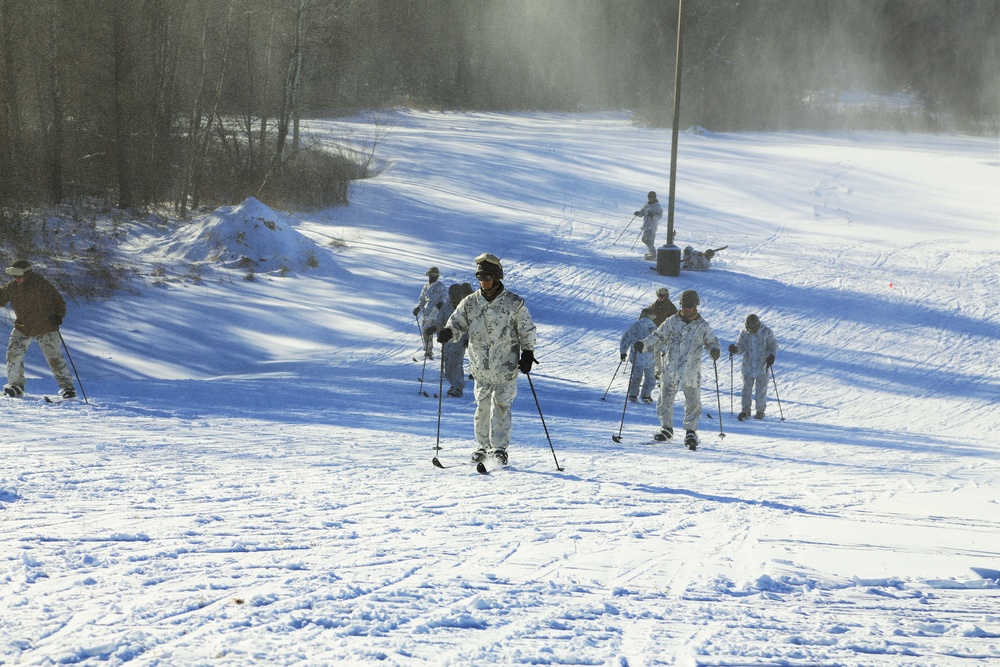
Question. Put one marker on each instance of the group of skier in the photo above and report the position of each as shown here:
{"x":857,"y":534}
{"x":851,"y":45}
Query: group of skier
{"x":665,"y":344}
{"x":651,"y":214}
{"x":671,"y":350}
{"x":494,"y":326}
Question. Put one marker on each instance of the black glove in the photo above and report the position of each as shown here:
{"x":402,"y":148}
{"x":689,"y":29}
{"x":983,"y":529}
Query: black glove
{"x":637,"y":213}
{"x":770,"y":360}
{"x":431,"y":330}
{"x":445,"y":335}
{"x":624,"y":356}
{"x":439,"y":304}
{"x":55,"y":319}
{"x":714,"y":353}
{"x":732,"y":349}
{"x":638,"y":346}
{"x":527,"y":359}
{"x":416,"y":311}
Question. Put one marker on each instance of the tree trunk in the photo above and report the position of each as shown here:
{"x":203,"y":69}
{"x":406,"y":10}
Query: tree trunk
{"x":120,"y":99}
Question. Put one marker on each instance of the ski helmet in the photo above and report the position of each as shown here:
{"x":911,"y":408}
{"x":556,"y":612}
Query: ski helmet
{"x":489,"y":264}
{"x":689,"y":299}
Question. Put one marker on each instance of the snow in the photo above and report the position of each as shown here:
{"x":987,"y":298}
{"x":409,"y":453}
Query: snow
{"x":251,"y":480}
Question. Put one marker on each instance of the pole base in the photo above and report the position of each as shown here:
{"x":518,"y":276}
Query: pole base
{"x":668,"y":260}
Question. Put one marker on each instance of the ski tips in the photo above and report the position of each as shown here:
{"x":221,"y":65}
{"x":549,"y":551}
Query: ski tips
{"x":481,"y":469}
{"x":616,"y":438}
{"x":437,"y":464}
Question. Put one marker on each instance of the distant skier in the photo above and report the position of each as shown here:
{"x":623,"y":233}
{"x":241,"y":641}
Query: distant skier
{"x":501,"y":342}
{"x":663,"y":307}
{"x":432,"y":298}
{"x":758,"y":346}
{"x":453,"y":352}
{"x":679,"y":342}
{"x":642,"y":376}
{"x":651,"y":214}
{"x":39,"y":310}
{"x":694,"y":260}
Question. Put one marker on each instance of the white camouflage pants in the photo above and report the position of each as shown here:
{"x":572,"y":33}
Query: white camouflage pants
{"x":492,"y":419}
{"x":649,"y":238}
{"x":49,"y":342}
{"x":644,"y":377}
{"x":759,"y":396}
{"x":692,"y":407}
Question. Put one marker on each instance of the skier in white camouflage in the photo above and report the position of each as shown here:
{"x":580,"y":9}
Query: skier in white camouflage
{"x":642,"y":377}
{"x":695,"y":260}
{"x":432,"y":298}
{"x":501,"y":342}
{"x":651,"y":214}
{"x":758,"y":346}
{"x":679,"y":342}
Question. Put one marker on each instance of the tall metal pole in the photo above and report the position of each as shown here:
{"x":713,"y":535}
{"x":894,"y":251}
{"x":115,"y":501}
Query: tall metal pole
{"x":676,"y":128}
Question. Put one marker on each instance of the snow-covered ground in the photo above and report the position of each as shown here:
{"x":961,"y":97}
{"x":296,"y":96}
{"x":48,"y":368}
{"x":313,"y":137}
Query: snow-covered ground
{"x":250,"y":482}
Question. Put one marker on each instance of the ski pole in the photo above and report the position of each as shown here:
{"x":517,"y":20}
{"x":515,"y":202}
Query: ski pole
{"x":718,"y":397}
{"x":776,"y":394}
{"x":624,"y":230}
{"x":540,"y":416}
{"x":437,"y":443}
{"x":618,"y":438}
{"x":68,"y":356}
{"x":612,"y":380}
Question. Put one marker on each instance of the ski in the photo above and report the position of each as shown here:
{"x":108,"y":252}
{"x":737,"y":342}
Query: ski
{"x":56,"y":399}
{"x":480,"y":467}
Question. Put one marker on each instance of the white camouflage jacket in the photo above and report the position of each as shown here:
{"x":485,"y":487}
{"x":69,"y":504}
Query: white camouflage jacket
{"x":431,"y":294}
{"x":638,"y":331}
{"x":755,"y":348}
{"x":651,"y":215}
{"x":498,"y":330}
{"x":679,"y":345}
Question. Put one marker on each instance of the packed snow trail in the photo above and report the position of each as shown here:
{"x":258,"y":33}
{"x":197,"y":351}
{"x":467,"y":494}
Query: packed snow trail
{"x":251,"y":480}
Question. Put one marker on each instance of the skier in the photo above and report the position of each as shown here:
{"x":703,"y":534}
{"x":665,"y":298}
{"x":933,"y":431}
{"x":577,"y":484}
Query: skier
{"x":758,"y":346}
{"x":39,"y":310}
{"x":642,"y":375}
{"x":678,"y":342}
{"x":501,"y":342}
{"x":651,"y":214}
{"x":663,"y":307}
{"x":453,"y":351}
{"x":432,"y":298}
{"x":694,"y":260}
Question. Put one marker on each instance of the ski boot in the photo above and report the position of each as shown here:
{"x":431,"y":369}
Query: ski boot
{"x":743,"y":416}
{"x":479,"y":455}
{"x":500,"y":456}
{"x":691,"y":440}
{"x":664,"y":434}
{"x":759,"y":415}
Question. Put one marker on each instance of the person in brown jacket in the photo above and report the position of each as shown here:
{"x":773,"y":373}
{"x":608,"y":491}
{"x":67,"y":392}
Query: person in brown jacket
{"x":663,"y":307}
{"x":39,"y":310}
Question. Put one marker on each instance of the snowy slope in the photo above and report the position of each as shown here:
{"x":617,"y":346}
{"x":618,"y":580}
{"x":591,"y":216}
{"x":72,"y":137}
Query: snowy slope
{"x":251,"y":481}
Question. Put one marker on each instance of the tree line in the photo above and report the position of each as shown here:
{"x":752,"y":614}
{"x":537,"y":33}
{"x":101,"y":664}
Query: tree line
{"x":190,"y":102}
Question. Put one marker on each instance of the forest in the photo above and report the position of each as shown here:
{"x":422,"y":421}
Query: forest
{"x":185,"y":103}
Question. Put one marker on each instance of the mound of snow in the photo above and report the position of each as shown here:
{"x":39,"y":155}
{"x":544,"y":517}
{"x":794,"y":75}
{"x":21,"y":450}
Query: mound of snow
{"x":248,"y":235}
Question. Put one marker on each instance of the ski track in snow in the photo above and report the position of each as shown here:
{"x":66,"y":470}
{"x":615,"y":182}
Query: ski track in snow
{"x":251,"y":480}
